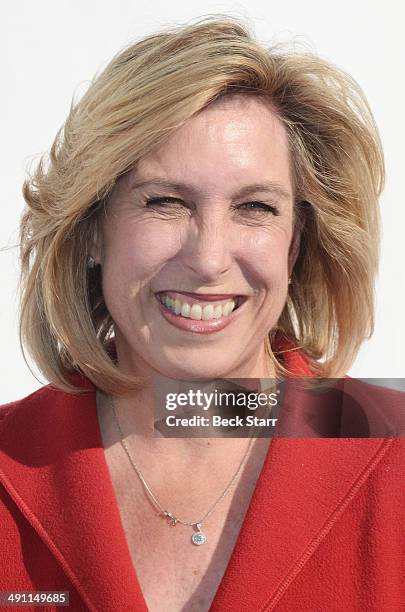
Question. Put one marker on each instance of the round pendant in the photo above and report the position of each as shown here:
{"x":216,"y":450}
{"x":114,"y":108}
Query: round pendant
{"x":199,"y":537}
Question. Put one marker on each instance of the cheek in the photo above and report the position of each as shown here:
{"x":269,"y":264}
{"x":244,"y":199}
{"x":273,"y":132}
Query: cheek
{"x":267,"y":254}
{"x":137,"y":251}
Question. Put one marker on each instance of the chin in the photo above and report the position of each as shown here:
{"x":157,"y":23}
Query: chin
{"x":197,"y":372}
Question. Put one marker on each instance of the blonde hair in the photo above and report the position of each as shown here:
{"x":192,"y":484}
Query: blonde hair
{"x":145,"y":93}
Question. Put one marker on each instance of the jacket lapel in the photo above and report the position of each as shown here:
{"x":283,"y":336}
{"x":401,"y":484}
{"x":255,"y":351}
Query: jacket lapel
{"x":303,"y":488}
{"x":57,"y":475}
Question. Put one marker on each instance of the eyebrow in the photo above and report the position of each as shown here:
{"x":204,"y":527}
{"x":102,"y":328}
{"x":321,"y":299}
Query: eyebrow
{"x":266,"y":186}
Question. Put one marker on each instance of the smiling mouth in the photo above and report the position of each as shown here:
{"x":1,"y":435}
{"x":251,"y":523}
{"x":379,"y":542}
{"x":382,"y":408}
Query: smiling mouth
{"x":185,"y":306}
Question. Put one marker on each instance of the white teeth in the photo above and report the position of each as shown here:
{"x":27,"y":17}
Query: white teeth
{"x":207,"y":312}
{"x":177,"y":307}
{"x":196,"y":311}
{"x":217,"y":312}
{"x":185,"y":310}
{"x":227,"y":308}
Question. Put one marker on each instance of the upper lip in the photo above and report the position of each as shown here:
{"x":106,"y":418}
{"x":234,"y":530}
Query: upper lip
{"x":206,"y":296}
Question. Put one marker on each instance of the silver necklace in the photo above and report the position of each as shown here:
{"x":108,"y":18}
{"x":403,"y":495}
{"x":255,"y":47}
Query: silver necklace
{"x":198,"y":536}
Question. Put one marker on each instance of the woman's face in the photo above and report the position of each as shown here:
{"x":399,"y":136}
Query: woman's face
{"x":222,"y":226}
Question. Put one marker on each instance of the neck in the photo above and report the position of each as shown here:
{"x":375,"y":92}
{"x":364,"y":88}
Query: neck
{"x":138,"y":414}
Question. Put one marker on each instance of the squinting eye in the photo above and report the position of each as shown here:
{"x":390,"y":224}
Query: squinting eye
{"x":262,"y":206}
{"x":267,"y":208}
{"x":160,"y":200}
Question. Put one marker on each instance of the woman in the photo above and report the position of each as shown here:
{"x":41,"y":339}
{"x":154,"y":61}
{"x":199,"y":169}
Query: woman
{"x":209,"y":211}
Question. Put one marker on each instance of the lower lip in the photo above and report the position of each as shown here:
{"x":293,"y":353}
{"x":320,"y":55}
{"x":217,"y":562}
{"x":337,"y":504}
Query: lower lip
{"x":198,"y":326}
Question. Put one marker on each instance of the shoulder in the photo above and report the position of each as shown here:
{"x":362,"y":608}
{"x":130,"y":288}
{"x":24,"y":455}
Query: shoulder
{"x":379,"y":408}
{"x":344,"y":408}
{"x":38,"y":398}
{"x":38,"y":422}
{"x":391,"y":400}
{"x":49,"y":391}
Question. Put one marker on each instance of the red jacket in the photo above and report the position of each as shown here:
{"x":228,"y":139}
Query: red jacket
{"x":324,"y":532}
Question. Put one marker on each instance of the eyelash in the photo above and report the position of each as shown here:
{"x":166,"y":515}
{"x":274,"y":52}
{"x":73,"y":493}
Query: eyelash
{"x":160,"y":200}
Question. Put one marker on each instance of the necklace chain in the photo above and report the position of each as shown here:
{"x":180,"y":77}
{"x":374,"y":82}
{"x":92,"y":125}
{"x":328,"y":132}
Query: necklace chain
{"x":197,"y":538}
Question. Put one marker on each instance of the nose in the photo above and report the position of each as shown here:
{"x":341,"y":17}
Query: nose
{"x":208,"y":251}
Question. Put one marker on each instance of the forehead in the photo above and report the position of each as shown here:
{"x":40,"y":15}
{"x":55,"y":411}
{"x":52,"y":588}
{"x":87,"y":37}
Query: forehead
{"x":234,"y":141}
